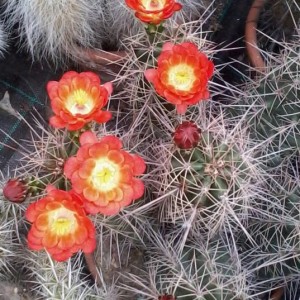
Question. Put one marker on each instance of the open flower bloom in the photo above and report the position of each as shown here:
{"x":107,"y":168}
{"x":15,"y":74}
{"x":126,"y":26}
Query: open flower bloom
{"x":60,"y":225}
{"x":182,"y":75}
{"x":77,"y":99}
{"x":104,"y":174}
{"x":153,"y":11}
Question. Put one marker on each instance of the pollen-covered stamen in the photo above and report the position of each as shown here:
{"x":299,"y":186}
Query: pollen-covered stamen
{"x":80,"y":102}
{"x":181,"y":77}
{"x":62,"y":222}
{"x":105,"y":175}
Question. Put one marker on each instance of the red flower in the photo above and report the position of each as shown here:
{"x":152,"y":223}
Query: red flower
{"x":153,"y":11}
{"x":187,"y":135}
{"x":182,"y":75}
{"x":15,"y":190}
{"x":77,"y":99}
{"x":104,"y":174}
{"x":60,"y":225}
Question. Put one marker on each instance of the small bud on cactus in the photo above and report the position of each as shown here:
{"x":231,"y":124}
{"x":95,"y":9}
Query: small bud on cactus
{"x":187,"y":135}
{"x":166,"y":297}
{"x":15,"y":190}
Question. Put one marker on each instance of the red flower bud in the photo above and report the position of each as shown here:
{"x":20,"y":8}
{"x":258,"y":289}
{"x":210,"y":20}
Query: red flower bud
{"x":15,"y":190}
{"x":166,"y":297}
{"x":187,"y":135}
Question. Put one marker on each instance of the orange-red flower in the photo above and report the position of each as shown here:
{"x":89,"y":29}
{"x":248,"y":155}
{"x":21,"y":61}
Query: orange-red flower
{"x":182,"y":75}
{"x":60,"y":225}
{"x":77,"y":99}
{"x":153,"y":11}
{"x":104,"y":174}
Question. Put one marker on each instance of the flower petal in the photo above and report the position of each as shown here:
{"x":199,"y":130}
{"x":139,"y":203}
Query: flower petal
{"x":109,"y":87}
{"x":150,"y":74}
{"x":88,"y":137}
{"x":57,"y":122}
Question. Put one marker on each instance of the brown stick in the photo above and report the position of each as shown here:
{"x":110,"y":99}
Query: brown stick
{"x":91,"y":264}
{"x":251,"y":35}
{"x":101,"y":57}
{"x":277,"y":294}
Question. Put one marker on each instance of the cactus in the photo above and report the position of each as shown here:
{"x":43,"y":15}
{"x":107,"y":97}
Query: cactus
{"x":3,"y":40}
{"x":54,"y":29}
{"x":271,"y":105}
{"x":276,"y":234}
{"x":204,"y":269}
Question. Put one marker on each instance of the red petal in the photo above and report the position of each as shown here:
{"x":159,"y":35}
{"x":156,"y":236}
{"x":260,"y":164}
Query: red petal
{"x":126,"y":174}
{"x":150,"y":74}
{"x":42,"y":222}
{"x":102,"y":116}
{"x":62,"y":256}
{"x":116,"y":156}
{"x":98,"y":150}
{"x":89,"y":246}
{"x":111,"y":209}
{"x":83,"y":152}
{"x":80,"y":235}
{"x":88,"y":137}
{"x":91,"y":194}
{"x":138,"y":188}
{"x":78,"y":184}
{"x":177,"y":6}
{"x":50,"y":187}
{"x":90,"y":207}
{"x":92,"y":76}
{"x":31,"y":213}
{"x":50,"y":240}
{"x":86,"y":168}
{"x":118,"y":194}
{"x":128,"y":192}
{"x":70,"y":166}
{"x":112,"y":141}
{"x":139,"y":165}
{"x":57,"y":122}
{"x":32,"y":239}
{"x":51,"y":86}
{"x":63,"y":91}
{"x":66,"y":242}
{"x":109,"y":87}
{"x":95,"y":92}
{"x":181,"y":108}
{"x":69,"y":75}
{"x":168,"y":46}
{"x":34,"y":246}
{"x":76,"y":125}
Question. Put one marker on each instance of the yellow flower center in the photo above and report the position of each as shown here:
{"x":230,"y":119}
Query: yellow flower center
{"x":105,"y":175}
{"x":80,"y":102}
{"x":153,"y":4}
{"x":62,"y":221}
{"x":181,"y":77}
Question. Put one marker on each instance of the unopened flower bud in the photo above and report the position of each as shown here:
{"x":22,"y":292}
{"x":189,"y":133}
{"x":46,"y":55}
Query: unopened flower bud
{"x":15,"y":190}
{"x":166,"y":297}
{"x":187,"y":135}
